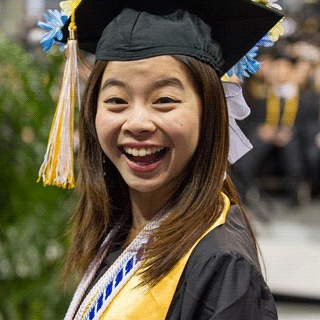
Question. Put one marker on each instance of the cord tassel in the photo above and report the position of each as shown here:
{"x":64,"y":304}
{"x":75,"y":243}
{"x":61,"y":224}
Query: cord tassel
{"x":57,"y":167}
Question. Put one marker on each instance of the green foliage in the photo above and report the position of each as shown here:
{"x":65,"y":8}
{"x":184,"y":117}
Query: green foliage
{"x":32,"y":218}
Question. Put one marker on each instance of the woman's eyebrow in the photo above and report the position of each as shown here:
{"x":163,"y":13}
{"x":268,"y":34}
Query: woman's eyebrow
{"x":174,"y":82}
{"x":112,"y":82}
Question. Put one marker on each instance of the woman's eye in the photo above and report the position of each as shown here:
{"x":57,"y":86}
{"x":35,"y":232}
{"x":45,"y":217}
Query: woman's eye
{"x":115,"y":100}
{"x":167,"y":100}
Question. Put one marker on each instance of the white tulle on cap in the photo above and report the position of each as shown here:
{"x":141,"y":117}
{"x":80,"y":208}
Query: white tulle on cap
{"x":238,"y":110}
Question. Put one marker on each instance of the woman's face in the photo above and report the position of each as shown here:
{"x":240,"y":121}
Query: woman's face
{"x":148,"y":120}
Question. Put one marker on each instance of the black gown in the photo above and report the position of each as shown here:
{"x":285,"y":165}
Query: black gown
{"x":222,"y":278}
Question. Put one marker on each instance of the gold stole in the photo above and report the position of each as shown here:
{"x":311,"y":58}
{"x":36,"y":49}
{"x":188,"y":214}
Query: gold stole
{"x":152,"y":303}
{"x":289,"y":112}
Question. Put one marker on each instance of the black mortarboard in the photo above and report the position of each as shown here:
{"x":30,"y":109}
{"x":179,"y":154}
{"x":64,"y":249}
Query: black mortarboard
{"x":236,"y":25}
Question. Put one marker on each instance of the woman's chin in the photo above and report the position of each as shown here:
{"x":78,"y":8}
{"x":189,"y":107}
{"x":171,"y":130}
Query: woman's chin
{"x":156,"y":188}
{"x":144,"y":187}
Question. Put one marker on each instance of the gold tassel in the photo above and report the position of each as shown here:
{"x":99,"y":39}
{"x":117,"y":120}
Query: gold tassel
{"x":57,"y":167}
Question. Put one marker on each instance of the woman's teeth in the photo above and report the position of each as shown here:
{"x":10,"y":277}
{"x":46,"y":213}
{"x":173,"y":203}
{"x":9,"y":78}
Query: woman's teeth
{"x":142,"y":152}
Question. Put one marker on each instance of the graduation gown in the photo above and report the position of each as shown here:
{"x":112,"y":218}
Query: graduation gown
{"x":220,"y":279}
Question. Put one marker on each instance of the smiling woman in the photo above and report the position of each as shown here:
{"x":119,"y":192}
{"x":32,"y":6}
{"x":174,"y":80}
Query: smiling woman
{"x":159,"y":232}
{"x":151,"y":107}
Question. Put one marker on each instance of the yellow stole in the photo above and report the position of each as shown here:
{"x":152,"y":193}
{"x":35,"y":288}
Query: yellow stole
{"x":273,"y":111}
{"x":152,"y":303}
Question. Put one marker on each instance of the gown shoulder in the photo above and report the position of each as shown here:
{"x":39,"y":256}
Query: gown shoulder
{"x":222,"y":279}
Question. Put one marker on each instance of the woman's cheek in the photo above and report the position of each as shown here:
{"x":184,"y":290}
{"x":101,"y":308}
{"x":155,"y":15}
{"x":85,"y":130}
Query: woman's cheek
{"x":185,"y":125}
{"x":106,"y":127}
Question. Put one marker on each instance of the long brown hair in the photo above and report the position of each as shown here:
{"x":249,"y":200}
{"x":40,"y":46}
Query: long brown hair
{"x":195,"y":204}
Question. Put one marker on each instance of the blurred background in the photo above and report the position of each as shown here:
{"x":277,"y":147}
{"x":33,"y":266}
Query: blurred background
{"x":279,"y":180}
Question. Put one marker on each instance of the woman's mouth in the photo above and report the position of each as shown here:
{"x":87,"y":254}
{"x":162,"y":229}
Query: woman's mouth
{"x":144,"y":159}
{"x":144,"y":156}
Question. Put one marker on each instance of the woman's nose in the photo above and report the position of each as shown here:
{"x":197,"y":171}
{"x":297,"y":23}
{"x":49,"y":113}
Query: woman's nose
{"x":139,"y":121}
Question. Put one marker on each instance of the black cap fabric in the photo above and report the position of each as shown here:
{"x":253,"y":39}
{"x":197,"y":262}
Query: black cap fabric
{"x":136,"y":35}
{"x":164,"y":27}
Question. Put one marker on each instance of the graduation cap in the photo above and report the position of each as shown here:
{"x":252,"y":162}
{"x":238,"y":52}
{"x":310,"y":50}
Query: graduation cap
{"x":220,"y":33}
{"x":236,"y":26}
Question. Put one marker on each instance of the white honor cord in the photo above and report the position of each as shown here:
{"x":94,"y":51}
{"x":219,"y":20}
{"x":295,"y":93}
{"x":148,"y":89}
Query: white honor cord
{"x":88,"y":276}
{"x":114,"y":278}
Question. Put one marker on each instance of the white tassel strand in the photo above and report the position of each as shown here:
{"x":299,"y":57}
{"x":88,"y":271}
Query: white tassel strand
{"x":57,"y":167}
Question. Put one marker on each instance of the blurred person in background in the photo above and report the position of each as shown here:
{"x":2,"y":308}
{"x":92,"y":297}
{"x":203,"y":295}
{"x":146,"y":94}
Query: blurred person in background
{"x":308,"y":127}
{"x":273,"y":130}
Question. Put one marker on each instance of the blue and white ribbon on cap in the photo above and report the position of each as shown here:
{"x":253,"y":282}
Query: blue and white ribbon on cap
{"x":238,"y":110}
